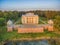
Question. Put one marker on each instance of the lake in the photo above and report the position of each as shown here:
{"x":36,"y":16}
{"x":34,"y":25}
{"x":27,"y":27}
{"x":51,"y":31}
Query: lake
{"x":33,"y":42}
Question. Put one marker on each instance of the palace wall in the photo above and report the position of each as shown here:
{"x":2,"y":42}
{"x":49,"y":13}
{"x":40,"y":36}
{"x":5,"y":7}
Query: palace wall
{"x":30,"y":30}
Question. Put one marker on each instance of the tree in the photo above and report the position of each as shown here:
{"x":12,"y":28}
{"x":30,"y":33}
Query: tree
{"x":1,"y":14}
{"x":57,"y":22}
{"x":2,"y":21}
{"x":50,"y":14}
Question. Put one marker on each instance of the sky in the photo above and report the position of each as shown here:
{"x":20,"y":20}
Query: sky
{"x":22,"y":5}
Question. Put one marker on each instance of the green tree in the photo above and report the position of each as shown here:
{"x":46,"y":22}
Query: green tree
{"x":2,"y":21}
{"x":57,"y":22}
{"x":1,"y":14}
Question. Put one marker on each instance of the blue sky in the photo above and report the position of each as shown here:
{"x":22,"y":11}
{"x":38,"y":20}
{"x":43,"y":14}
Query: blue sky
{"x":29,"y":4}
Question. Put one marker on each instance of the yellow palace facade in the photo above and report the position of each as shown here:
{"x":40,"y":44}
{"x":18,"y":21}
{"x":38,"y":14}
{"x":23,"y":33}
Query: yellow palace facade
{"x":30,"y":18}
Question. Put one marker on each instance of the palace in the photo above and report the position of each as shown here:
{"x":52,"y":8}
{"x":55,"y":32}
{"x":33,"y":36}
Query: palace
{"x":30,"y":24}
{"x":30,"y":18}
